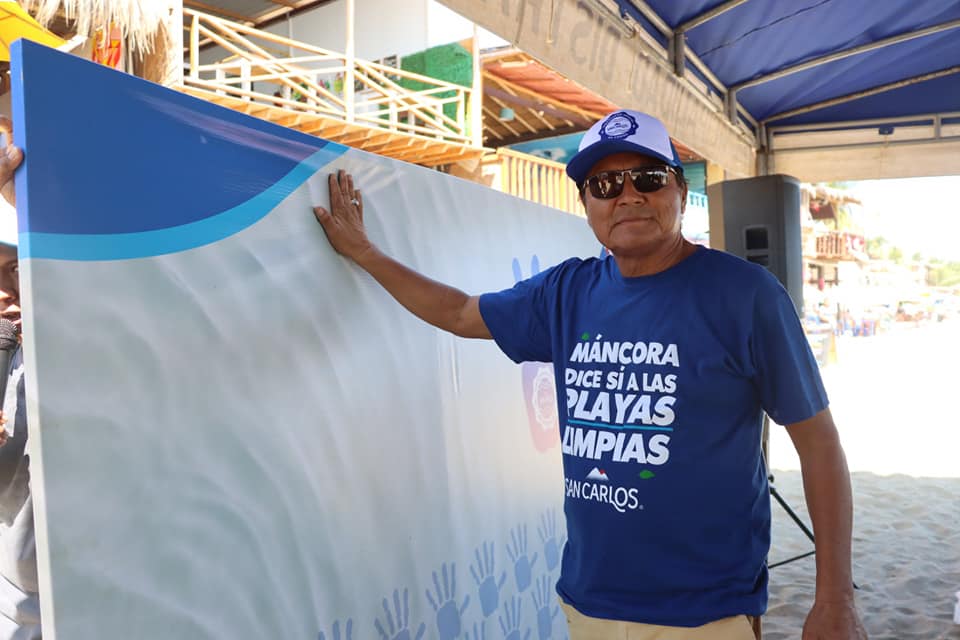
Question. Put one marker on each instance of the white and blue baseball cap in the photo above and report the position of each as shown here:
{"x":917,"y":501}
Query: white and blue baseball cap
{"x":8,"y":224}
{"x":623,"y":130}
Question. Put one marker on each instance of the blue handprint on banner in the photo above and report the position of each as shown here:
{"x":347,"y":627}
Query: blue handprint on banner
{"x":518,"y":272}
{"x":479,"y":633}
{"x":449,"y":616}
{"x":542,"y":599}
{"x":548,"y":536}
{"x":510,"y":620}
{"x":487,"y":585}
{"x":336,"y":631}
{"x":522,"y":565}
{"x":398,"y":623}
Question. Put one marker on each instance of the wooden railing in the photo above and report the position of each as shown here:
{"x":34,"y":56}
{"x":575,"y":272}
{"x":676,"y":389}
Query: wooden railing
{"x":543,"y":181}
{"x":839,"y":245}
{"x":698,"y":200}
{"x":532,"y":178}
{"x":310,"y":79}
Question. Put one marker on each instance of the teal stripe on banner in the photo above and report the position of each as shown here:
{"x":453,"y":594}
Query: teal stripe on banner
{"x":126,"y":246}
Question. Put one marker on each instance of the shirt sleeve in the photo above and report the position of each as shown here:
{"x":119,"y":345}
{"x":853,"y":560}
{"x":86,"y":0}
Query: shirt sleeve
{"x":787,"y":374}
{"x":518,"y":318}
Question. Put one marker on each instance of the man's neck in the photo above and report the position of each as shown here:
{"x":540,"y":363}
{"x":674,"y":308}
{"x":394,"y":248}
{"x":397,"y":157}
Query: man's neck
{"x":636,"y":265}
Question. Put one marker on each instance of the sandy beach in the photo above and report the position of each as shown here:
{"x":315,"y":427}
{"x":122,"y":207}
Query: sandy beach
{"x":894,"y":398}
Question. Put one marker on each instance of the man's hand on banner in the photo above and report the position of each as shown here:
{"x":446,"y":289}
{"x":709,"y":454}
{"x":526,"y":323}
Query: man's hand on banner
{"x":10,"y":158}
{"x":343,"y":222}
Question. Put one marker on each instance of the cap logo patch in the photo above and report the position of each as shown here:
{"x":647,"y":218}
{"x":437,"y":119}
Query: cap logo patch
{"x":618,"y":126}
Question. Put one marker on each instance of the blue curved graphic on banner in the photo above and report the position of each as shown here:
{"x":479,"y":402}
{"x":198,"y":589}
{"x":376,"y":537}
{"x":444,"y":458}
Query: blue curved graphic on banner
{"x":124,"y":246}
{"x":130,"y":156}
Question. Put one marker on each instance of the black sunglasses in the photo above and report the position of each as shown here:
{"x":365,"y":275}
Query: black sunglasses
{"x":609,"y":184}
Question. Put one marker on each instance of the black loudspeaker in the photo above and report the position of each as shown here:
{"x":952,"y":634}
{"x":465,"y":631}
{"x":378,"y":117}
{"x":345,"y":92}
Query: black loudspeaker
{"x":758,"y":219}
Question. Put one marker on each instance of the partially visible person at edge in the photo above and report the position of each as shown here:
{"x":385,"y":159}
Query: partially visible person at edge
{"x":701,"y":343}
{"x":19,"y":599}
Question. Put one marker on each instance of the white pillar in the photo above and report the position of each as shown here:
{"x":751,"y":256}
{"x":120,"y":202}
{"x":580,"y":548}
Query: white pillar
{"x":349,"y":74}
{"x":476,"y":96}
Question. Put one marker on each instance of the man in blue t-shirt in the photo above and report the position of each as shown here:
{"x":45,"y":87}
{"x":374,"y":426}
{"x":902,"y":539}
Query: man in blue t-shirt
{"x":666,"y":355}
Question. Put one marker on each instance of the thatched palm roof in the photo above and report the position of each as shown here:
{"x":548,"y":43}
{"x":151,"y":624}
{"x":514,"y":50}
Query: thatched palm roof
{"x":138,"y":19}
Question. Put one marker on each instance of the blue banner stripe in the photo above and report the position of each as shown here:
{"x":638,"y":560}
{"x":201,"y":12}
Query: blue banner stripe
{"x":126,"y":246}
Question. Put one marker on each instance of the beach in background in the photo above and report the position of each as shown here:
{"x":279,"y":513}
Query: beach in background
{"x":894,"y":399}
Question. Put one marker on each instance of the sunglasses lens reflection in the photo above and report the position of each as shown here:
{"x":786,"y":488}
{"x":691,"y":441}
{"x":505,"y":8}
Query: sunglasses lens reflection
{"x":650,"y":181}
{"x":609,"y":184}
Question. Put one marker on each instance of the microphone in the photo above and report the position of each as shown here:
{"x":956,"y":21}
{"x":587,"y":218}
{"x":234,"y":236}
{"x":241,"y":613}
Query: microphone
{"x":9,"y":333}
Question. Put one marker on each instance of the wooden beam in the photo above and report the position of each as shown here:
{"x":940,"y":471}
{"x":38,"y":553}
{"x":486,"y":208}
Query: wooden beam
{"x":226,"y":13}
{"x":487,"y":110}
{"x":569,"y":117}
{"x":435,"y":157}
{"x":290,"y":8}
{"x":324,"y":127}
{"x":589,"y":116}
{"x":289,"y":121}
{"x":490,"y":132}
{"x":396,"y":143}
{"x":420,"y":152}
{"x":516,"y":116}
{"x":543,"y":134}
{"x":355,"y":137}
{"x":254,"y":109}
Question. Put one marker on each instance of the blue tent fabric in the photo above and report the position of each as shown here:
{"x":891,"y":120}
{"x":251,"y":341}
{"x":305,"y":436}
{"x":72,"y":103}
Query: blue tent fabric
{"x":760,"y":37}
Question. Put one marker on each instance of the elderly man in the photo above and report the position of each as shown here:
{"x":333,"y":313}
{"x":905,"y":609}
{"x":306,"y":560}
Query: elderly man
{"x":689,"y":347}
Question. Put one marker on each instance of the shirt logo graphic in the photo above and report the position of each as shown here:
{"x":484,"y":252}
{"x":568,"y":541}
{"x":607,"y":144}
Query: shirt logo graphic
{"x":621,"y":499}
{"x":598,"y":474}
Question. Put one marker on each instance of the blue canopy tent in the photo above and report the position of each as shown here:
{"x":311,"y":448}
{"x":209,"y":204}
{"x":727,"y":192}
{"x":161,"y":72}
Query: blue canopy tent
{"x":886,"y":73}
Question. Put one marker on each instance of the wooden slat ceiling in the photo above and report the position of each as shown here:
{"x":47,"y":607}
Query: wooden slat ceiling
{"x":524,"y":100}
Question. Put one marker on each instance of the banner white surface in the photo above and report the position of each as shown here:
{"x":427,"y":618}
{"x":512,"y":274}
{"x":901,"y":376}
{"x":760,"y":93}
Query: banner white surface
{"x":248,"y":438}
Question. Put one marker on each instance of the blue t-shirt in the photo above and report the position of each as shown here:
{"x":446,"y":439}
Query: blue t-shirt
{"x":661,"y":384}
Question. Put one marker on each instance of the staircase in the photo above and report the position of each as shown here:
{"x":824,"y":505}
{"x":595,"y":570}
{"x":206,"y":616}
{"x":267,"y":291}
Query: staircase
{"x":362,"y":104}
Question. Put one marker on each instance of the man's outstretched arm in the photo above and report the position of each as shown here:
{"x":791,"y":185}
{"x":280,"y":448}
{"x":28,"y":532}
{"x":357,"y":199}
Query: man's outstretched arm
{"x":826,"y":485}
{"x":434,"y":302}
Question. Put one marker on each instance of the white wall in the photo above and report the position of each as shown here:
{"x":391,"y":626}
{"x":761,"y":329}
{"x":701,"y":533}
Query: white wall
{"x":384,"y":27}
{"x":381,"y":27}
{"x":444,"y":25}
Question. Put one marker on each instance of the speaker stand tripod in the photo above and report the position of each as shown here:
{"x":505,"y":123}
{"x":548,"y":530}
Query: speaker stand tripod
{"x":793,"y":516}
{"x":765,"y":452}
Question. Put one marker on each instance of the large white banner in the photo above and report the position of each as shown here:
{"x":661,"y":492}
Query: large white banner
{"x":237,"y":433}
